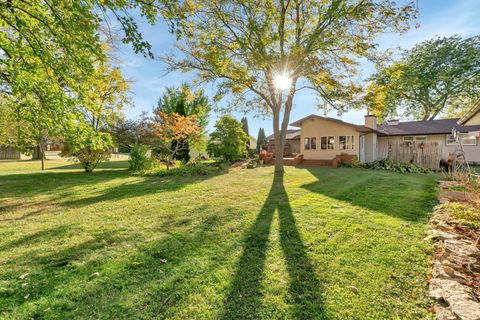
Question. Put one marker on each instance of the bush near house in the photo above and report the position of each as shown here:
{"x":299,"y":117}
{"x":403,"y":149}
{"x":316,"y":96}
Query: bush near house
{"x":388,"y":165}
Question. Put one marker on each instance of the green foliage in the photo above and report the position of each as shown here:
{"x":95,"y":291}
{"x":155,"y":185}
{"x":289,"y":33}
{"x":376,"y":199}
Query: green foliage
{"x":127,"y":133}
{"x":88,"y":147}
{"x":244,"y":122}
{"x":260,"y":139}
{"x":52,"y":55}
{"x":185,"y":102}
{"x":194,"y":168}
{"x":139,"y":159}
{"x":462,"y":213}
{"x":228,"y":140}
{"x":355,"y":163}
{"x":438,"y":77}
{"x":395,"y":166}
{"x":244,"y":46}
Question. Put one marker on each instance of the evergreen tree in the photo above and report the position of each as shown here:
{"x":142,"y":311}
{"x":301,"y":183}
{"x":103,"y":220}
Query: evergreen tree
{"x":260,"y":139}
{"x":245,"y":129}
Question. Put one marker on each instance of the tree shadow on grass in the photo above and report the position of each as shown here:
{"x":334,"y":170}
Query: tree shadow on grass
{"x":67,"y":188}
{"x":245,"y":296}
{"x":116,"y":164}
{"x":406,"y":196}
{"x":86,"y":280}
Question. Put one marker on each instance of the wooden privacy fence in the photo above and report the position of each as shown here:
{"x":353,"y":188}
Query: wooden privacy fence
{"x":9,"y":153}
{"x":424,"y":154}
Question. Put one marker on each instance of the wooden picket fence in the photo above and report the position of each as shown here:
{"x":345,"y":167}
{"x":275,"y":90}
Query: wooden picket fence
{"x":9,"y":153}
{"x":424,"y":154}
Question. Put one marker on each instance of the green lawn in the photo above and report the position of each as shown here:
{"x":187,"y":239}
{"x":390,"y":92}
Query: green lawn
{"x":321,"y":244}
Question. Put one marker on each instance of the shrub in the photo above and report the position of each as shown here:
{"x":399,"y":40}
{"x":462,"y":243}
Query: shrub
{"x":139,"y":159}
{"x":88,"y":147}
{"x":355,"y":163}
{"x":190,"y":169}
{"x":90,"y":158}
{"x":400,"y":167}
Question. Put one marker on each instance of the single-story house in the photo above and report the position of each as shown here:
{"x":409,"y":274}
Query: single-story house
{"x":324,"y":138}
{"x":292,"y":143}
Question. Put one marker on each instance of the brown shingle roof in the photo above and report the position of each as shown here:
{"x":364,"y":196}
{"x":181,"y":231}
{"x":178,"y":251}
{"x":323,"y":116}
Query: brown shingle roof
{"x":360,"y":128}
{"x":443,"y":126}
{"x":291,"y":135}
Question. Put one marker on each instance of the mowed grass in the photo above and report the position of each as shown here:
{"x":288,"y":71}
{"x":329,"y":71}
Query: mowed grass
{"x":318,"y":244}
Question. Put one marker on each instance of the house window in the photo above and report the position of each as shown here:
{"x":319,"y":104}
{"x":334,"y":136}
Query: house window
{"x":415,"y":138}
{"x":467,"y":139}
{"x":310,"y":143}
{"x":346,"y":142}
{"x":327,"y":143}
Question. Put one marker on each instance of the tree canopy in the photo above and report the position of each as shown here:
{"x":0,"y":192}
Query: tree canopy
{"x":438,"y":77}
{"x":228,"y":140}
{"x":185,"y":102}
{"x":50,"y":53}
{"x":246,"y":46}
{"x":175,"y":132}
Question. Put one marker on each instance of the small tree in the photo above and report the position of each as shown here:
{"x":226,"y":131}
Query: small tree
{"x":245,"y":129}
{"x":185,"y":102}
{"x":260,"y":139}
{"x":89,"y":147}
{"x":174,"y":127}
{"x":228,"y":140}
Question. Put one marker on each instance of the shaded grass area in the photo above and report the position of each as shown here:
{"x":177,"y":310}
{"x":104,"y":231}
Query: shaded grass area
{"x":318,"y":244}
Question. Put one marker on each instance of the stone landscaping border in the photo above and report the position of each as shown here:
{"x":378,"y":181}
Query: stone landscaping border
{"x":455,"y":282}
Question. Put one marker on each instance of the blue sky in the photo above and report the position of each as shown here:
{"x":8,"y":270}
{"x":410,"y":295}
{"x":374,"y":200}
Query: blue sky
{"x":437,"y":17}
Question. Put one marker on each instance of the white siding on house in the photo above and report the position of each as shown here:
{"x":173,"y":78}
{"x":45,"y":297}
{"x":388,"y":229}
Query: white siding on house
{"x":371,"y":148}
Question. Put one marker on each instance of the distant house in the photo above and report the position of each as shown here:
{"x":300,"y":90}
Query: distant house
{"x":323,"y":138}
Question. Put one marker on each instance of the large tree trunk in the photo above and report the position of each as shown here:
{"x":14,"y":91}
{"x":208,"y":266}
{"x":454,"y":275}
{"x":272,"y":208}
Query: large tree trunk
{"x":280,"y":134}
{"x":278,"y":142}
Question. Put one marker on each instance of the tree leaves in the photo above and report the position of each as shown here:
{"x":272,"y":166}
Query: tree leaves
{"x":438,"y":77}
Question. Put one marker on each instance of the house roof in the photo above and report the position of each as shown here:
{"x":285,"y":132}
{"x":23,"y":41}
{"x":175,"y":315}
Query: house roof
{"x":291,"y":135}
{"x":360,"y":128}
{"x":443,"y":126}
{"x":470,"y":113}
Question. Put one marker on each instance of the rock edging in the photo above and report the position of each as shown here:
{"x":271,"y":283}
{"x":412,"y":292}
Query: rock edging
{"x":455,"y":272}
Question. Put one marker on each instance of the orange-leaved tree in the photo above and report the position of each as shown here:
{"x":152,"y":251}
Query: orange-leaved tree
{"x":175,"y":128}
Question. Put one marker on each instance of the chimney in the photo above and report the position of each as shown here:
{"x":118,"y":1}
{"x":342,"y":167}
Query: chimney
{"x":393,"y":122}
{"x":371,"y":121}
